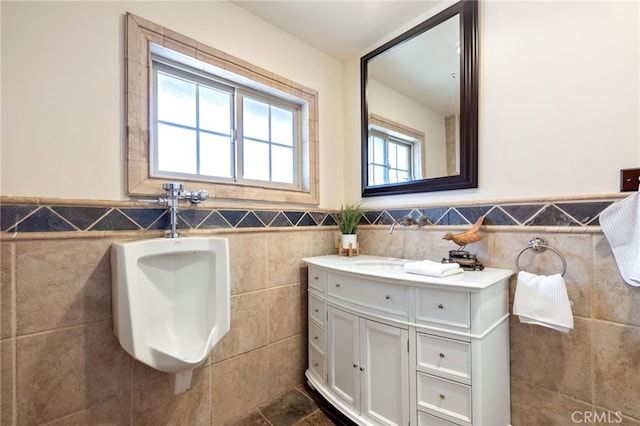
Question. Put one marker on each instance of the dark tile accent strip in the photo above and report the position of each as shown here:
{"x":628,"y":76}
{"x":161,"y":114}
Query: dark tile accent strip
{"x":194,"y":217}
{"x":215,"y":220}
{"x":294,"y":217}
{"x":115,"y":220}
{"x":144,"y":217}
{"x":42,"y":220}
{"x":250,"y":221}
{"x":56,"y":218}
{"x":266,"y":216}
{"x":81,"y":217}
{"x":498,"y":217}
{"x":583,"y":212}
{"x":452,"y":217}
{"x":10,"y":215}
{"x":522,"y":212}
{"x":551,"y":216}
{"x":233,"y":216}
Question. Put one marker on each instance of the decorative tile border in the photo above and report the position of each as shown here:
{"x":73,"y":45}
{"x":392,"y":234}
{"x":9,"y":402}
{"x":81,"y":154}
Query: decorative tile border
{"x":25,"y":218}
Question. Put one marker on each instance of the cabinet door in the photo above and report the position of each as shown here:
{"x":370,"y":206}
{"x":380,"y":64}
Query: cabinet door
{"x":342,"y":357}
{"x":384,"y":368}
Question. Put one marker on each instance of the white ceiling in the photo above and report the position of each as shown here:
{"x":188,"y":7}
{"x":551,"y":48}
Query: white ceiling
{"x":341,"y":29}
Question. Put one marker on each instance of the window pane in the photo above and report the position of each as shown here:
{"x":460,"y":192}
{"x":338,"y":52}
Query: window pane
{"x":378,"y":150}
{"x":393,"y":151}
{"x":282,"y":164}
{"x":176,"y":100}
{"x":281,"y":126}
{"x":255,"y":119}
{"x":176,"y":149}
{"x":215,"y":110}
{"x":379,"y":175}
{"x":403,"y":157}
{"x":256,"y":160}
{"x":215,"y":155}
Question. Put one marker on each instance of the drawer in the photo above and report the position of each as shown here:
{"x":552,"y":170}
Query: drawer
{"x":443,"y":307}
{"x":317,"y":278}
{"x":316,"y":309}
{"x":444,"y":397}
{"x":444,"y":357}
{"x":425,"y":419}
{"x":380,"y":296}
{"x":316,"y":337}
{"x":316,"y":364}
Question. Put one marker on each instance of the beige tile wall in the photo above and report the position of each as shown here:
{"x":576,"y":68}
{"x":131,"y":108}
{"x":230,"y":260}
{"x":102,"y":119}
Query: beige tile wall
{"x":592,"y":374}
{"x":61,"y":364}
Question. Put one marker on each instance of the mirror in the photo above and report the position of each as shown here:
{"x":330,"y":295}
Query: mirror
{"x":420,"y":107}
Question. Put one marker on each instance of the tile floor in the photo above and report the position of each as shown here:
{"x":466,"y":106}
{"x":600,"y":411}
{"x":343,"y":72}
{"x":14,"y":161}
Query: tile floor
{"x":298,"y":407}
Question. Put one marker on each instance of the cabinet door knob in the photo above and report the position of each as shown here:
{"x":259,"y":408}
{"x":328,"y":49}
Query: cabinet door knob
{"x":337,"y":284}
{"x":361,"y":368}
{"x":440,"y":306}
{"x":316,"y":310}
{"x":315,"y":364}
{"x":387,"y":297}
{"x":316,"y":278}
{"x":316,"y":338}
{"x":442,"y":396}
{"x":441,"y":355}
{"x":355,"y":365}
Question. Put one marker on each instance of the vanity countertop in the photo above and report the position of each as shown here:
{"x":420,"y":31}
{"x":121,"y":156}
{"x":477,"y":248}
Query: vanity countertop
{"x":391,"y":270}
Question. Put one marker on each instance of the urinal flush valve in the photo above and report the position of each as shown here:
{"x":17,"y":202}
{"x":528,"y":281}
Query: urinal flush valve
{"x":174,"y":194}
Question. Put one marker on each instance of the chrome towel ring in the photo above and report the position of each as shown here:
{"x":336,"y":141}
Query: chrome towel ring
{"x":538,"y":244}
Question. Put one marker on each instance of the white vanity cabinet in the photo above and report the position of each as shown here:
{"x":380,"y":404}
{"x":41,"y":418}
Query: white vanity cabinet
{"x":391,"y":348}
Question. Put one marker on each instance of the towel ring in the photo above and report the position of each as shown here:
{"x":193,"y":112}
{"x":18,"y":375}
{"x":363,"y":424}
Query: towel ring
{"x":538,"y":244}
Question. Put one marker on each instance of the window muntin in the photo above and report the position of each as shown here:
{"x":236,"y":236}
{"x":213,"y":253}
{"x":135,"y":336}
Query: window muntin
{"x":207,"y":128}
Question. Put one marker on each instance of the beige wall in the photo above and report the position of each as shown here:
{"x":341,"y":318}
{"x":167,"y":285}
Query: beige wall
{"x":61,"y":362}
{"x":63,"y":89}
{"x":559,"y":102}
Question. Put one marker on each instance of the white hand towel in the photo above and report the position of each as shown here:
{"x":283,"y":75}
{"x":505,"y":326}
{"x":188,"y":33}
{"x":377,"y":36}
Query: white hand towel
{"x":432,"y":269}
{"x":621,"y":225}
{"x":543,"y":300}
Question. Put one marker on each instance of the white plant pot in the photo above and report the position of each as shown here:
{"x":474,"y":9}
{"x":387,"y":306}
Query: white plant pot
{"x":349,"y":238}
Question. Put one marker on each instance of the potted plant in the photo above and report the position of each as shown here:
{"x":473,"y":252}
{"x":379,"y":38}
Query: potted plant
{"x":348,"y":221}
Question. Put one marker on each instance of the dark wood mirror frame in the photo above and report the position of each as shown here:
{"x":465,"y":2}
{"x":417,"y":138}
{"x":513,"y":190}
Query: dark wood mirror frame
{"x":468,"y":177}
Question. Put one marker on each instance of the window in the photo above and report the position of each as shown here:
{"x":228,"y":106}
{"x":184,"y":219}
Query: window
{"x":195,"y":114}
{"x":396,"y":152}
{"x":391,"y":158}
{"x":202,"y":124}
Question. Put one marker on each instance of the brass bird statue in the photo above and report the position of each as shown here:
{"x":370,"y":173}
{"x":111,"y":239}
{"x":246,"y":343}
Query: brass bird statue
{"x":467,"y":237}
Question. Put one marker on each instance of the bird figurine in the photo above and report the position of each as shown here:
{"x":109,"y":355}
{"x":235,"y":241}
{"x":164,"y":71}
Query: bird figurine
{"x":467,"y":237}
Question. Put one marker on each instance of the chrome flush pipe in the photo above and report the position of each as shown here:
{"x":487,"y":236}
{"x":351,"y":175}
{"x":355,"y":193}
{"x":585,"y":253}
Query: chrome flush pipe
{"x":174,"y":193}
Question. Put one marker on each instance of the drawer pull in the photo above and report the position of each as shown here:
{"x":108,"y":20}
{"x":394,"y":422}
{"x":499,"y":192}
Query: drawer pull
{"x":337,"y":284}
{"x":442,"y":396}
{"x":316,"y":338}
{"x":315,"y":364}
{"x":316,"y":310}
{"x":387,"y":297}
{"x":441,"y":355}
{"x":440,"y":306}
{"x":316,"y":278}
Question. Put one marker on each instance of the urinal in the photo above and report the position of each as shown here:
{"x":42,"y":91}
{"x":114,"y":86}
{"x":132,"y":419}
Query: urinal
{"x":171,"y":302}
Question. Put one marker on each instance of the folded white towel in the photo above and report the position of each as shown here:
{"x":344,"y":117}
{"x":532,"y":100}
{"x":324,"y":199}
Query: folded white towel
{"x":432,"y":269}
{"x":543,"y":300}
{"x":620,"y":223}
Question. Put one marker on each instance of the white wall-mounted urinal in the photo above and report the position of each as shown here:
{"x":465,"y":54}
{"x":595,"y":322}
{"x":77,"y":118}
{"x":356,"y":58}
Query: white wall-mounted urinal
{"x":171,"y":301}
